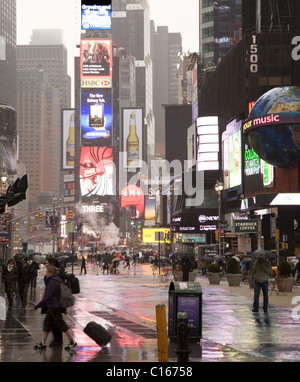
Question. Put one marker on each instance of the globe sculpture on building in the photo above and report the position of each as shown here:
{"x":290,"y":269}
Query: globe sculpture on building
{"x":273,"y":126}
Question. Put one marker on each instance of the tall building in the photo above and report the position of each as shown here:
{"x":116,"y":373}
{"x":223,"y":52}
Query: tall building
{"x":167,"y":67}
{"x":8,"y":90}
{"x":220,"y":29}
{"x":131,"y":31}
{"x":46,"y":52}
{"x":39,"y":133}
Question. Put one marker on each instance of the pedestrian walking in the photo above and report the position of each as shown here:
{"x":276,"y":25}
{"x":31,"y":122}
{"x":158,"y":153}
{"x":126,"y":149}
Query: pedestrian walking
{"x":34,"y":267}
{"x":10,"y":278}
{"x":50,"y":305}
{"x":83,"y":265}
{"x":24,"y":276}
{"x":261,"y":272}
{"x":127,"y":261}
{"x":185,"y":266}
{"x":56,"y":331}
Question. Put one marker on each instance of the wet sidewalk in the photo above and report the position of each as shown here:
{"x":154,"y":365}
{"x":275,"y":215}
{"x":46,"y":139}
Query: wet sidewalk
{"x":125,"y":305}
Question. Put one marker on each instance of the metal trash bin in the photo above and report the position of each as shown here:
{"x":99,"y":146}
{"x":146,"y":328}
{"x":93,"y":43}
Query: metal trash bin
{"x":185,"y":296}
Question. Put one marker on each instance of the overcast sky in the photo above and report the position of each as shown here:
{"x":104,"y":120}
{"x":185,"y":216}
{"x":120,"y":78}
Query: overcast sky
{"x":180,"y":16}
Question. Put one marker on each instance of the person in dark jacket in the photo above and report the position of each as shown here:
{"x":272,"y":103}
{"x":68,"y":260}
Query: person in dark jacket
{"x":186,"y":266}
{"x":57,"y":333}
{"x":24,"y":280}
{"x":83,"y":265}
{"x":34,"y":267}
{"x":50,"y":304}
{"x":10,"y":278}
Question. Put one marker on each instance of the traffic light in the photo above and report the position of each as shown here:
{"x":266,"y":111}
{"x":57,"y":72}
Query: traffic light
{"x":70,"y":214}
{"x":217,"y":235}
{"x":40,"y":216}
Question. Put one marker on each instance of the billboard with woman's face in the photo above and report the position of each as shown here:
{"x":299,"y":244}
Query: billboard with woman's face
{"x":96,"y":174}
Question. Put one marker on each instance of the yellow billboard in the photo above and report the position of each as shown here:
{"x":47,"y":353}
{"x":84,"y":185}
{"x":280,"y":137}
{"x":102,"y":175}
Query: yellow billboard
{"x":149,"y":235}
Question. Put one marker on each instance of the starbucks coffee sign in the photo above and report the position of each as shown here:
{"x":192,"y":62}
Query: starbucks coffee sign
{"x":245,"y":226}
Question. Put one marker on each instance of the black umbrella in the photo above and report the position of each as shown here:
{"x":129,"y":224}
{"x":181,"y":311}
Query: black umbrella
{"x":183,"y":254}
{"x":206,"y":258}
{"x":218,"y":258}
{"x":248,"y":260}
{"x":263,"y":253}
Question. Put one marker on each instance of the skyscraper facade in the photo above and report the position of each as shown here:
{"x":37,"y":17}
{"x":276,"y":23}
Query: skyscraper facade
{"x":46,"y":52}
{"x":39,"y":133}
{"x":8,"y":52}
{"x":167,"y":66}
{"x":131,"y":31}
{"x":220,"y":29}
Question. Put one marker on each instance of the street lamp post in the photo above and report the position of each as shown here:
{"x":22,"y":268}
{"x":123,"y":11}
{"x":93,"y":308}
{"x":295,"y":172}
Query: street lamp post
{"x":219,"y":187}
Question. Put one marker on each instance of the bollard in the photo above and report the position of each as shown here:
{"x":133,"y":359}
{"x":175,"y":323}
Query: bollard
{"x":162,"y":340}
{"x":182,"y":350}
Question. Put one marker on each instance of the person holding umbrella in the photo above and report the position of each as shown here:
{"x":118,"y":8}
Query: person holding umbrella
{"x":260,"y":274}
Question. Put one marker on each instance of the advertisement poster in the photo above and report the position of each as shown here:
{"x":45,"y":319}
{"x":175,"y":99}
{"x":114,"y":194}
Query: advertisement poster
{"x":95,"y":58}
{"x":132,"y":195}
{"x":150,"y":207}
{"x":68,"y":139}
{"x":232,"y":154}
{"x":235,"y":159}
{"x":132,"y":137}
{"x":95,"y":15}
{"x":96,"y":116}
{"x":96,"y":171}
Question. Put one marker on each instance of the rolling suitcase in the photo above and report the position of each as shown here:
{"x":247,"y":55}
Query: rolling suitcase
{"x":97,"y":333}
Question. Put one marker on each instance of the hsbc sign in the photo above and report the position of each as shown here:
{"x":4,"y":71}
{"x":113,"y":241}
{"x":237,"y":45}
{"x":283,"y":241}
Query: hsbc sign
{"x":96,"y":82}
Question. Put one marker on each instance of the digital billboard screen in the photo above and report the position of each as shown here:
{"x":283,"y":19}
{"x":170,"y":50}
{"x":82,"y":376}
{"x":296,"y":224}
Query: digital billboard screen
{"x":132,"y":195}
{"x":95,"y":15}
{"x":96,"y":171}
{"x":133,"y":137}
{"x":96,"y":116}
{"x":232,"y":154}
{"x":68,"y":139}
{"x":95,"y":58}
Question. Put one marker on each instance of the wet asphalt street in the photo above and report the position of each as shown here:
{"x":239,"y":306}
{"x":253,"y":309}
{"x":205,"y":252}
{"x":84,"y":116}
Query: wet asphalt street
{"x":125,"y":305}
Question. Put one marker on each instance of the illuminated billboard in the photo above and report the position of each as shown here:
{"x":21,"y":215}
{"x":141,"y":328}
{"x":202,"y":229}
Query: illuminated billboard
{"x":149,"y":235}
{"x":96,"y":116}
{"x":207,"y":143}
{"x":95,"y":58}
{"x":68,"y":139}
{"x":132,"y":195}
{"x":258,"y":174}
{"x":150,"y":207}
{"x":232,"y":154}
{"x":95,"y":15}
{"x":132,"y":137}
{"x":96,"y":171}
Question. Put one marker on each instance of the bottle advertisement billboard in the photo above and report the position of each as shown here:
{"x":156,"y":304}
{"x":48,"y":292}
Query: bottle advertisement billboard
{"x":132,"y":137}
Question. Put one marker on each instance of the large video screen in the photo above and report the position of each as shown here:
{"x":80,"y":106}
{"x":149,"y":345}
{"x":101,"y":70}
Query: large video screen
{"x":96,"y":171}
{"x":95,"y":15}
{"x":96,"y":58}
{"x":232,"y":154}
{"x":96,"y":116}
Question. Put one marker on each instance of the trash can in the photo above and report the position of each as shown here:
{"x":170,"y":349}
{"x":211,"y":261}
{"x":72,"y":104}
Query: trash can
{"x":185,"y":296}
